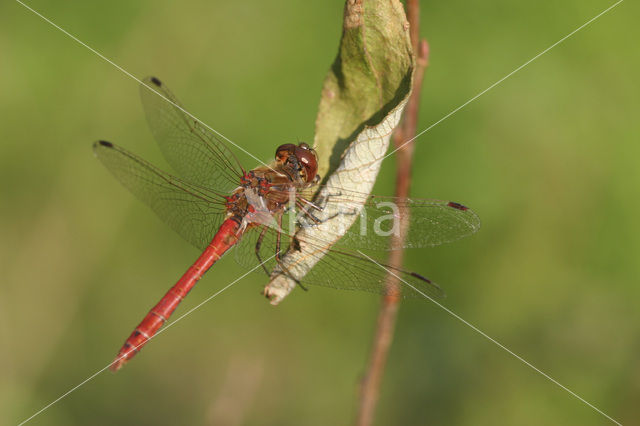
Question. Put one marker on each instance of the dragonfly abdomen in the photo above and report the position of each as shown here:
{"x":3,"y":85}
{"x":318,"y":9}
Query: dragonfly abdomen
{"x":224,"y":239}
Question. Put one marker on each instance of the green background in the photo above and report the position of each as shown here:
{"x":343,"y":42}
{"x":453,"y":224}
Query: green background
{"x":548,"y":159}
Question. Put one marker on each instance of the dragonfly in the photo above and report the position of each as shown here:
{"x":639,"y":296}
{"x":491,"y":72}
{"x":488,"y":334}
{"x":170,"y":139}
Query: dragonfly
{"x":268,"y":214}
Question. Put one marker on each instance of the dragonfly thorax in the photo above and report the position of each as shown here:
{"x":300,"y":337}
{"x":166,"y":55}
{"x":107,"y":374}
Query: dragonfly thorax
{"x":261,"y":194}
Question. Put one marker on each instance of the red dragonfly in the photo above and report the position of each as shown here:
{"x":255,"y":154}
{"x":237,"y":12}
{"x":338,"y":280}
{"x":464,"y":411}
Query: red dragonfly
{"x":216,"y":204}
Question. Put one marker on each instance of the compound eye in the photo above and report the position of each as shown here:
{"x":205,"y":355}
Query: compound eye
{"x":304,"y":145}
{"x":284,"y":151}
{"x":307,"y":158}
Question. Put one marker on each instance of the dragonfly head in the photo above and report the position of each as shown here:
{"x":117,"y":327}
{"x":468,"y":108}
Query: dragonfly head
{"x":300,"y":161}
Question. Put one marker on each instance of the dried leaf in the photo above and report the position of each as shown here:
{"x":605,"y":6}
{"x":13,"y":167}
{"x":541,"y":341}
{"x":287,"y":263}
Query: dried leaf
{"x":362,"y":101}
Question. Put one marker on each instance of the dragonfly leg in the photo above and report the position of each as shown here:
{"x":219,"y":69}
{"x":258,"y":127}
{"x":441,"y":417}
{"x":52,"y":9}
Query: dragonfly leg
{"x":309,"y":203}
{"x":316,"y":221}
{"x":304,"y":209}
{"x":324,"y":199}
{"x":279,"y":258}
{"x":258,"y":245}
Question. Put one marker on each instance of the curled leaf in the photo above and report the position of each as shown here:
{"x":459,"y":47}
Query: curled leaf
{"x":363,"y":98}
{"x":369,"y":78}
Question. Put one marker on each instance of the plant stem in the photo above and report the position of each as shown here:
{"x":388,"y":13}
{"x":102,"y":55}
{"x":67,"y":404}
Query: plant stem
{"x":390,"y":302}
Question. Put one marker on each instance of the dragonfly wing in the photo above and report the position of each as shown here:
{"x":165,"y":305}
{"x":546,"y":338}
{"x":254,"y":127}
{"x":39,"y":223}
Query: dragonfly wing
{"x":196,"y":153}
{"x":431,"y":222}
{"x":353,"y":271}
{"x":258,"y":246}
{"x":260,"y":242}
{"x":316,"y":261}
{"x":194,"y":212}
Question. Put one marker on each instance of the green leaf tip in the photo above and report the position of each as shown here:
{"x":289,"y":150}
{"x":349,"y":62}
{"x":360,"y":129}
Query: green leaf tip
{"x":371,"y":76}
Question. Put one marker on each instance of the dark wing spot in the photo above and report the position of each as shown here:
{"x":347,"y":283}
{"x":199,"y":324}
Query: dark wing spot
{"x":295,"y":244}
{"x":105,"y":143}
{"x":457,"y":206}
{"x":420,"y":277}
{"x":155,"y":81}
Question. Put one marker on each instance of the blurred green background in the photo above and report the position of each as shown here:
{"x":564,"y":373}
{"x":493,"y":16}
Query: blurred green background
{"x":548,"y":159}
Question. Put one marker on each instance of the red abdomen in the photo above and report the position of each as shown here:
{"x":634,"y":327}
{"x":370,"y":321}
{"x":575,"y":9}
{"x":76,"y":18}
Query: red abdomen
{"x":224,"y":239}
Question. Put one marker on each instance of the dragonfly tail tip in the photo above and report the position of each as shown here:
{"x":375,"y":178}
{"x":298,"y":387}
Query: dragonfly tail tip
{"x":115,"y":366}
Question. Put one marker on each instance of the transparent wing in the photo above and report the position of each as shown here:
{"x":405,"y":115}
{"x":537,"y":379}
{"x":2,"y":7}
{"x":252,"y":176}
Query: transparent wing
{"x":342,"y":269}
{"x":430,"y":222}
{"x":258,"y":246}
{"x":195,"y":152}
{"x":260,"y":243}
{"x":335,"y":268}
{"x":194,"y":212}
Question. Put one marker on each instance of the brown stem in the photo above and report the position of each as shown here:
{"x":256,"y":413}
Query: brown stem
{"x":390,"y":302}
